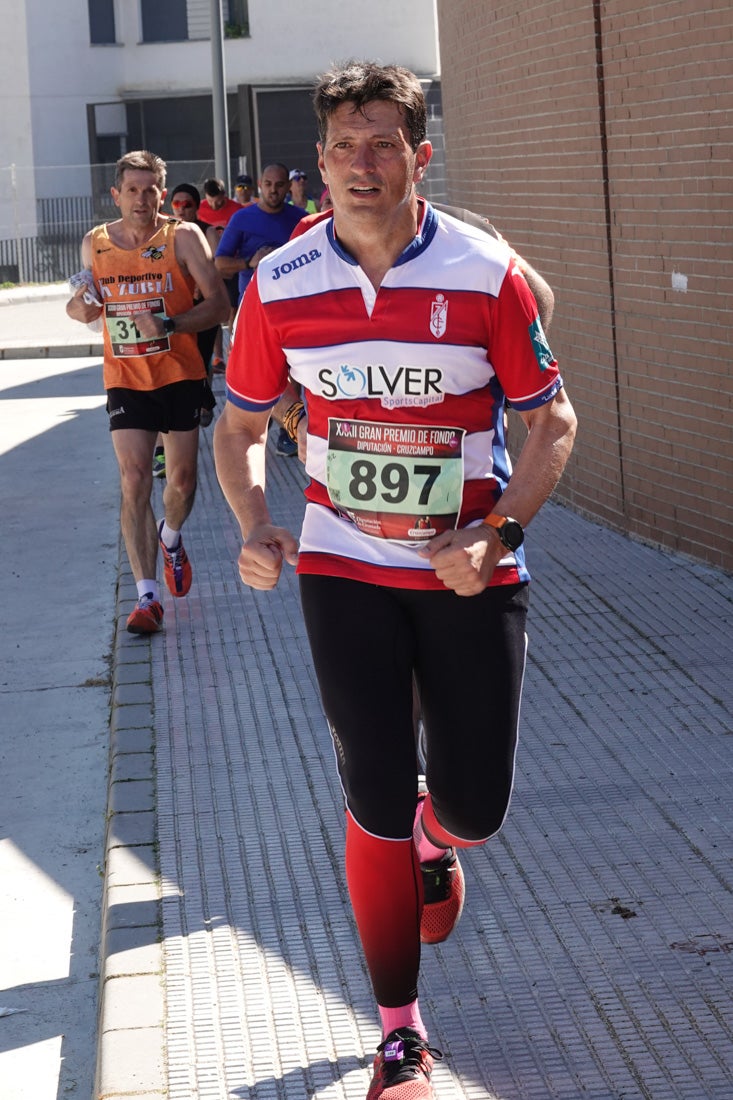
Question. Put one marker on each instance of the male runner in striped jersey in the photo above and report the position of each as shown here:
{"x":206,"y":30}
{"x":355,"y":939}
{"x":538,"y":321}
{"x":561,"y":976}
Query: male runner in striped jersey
{"x":407,"y":331}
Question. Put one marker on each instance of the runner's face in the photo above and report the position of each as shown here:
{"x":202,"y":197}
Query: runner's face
{"x":273,"y":189}
{"x":139,"y":198}
{"x":299,"y":191}
{"x":367,"y":162}
{"x":184,"y":207}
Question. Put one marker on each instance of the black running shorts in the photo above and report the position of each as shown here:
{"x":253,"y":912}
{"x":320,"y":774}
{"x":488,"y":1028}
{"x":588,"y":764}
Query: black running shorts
{"x":173,"y":408}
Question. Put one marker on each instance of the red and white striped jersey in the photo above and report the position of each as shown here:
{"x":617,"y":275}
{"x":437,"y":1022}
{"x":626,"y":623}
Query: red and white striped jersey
{"x":405,"y":388}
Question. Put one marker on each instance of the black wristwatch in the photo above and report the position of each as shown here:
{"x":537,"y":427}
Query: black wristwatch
{"x":169,"y":325}
{"x":509,"y":530}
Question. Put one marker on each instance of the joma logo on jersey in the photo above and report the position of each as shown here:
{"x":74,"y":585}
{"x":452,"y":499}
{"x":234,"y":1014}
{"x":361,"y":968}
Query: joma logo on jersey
{"x":438,"y":316}
{"x":399,"y":386}
{"x":299,"y":261}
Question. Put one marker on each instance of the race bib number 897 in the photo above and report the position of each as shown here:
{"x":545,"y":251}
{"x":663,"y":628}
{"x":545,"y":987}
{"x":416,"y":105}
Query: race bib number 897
{"x":395,"y":481}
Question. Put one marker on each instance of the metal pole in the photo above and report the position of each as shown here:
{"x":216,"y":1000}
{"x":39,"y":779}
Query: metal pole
{"x":19,"y":255}
{"x":219,"y":96}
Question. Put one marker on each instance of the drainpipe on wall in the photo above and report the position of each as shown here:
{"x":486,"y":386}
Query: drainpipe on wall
{"x":16,"y":221}
{"x":219,"y":96}
{"x":608,"y":213}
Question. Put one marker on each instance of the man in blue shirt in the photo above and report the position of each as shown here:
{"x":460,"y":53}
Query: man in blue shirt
{"x":256,"y":230}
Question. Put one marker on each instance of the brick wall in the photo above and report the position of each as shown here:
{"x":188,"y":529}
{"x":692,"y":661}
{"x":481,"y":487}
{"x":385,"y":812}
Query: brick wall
{"x":597,"y":137}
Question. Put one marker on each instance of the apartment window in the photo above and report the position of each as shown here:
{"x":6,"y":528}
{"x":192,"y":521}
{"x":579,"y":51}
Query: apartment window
{"x":102,"y":22}
{"x":236,"y":19}
{"x":164,"y":20}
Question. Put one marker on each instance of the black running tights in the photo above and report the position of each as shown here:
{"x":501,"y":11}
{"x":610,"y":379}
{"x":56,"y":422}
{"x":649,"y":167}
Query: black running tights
{"x":468,"y":657}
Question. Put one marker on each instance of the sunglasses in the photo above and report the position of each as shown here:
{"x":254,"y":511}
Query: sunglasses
{"x":300,"y":176}
{"x":182,"y":205}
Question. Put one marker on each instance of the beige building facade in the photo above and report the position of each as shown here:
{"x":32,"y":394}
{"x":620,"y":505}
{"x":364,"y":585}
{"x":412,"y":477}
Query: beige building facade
{"x":598,"y":138}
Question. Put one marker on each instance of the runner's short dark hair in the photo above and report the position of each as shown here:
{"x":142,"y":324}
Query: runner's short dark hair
{"x":187,"y":189}
{"x":214,"y":187}
{"x":141,"y":160}
{"x":361,"y":82}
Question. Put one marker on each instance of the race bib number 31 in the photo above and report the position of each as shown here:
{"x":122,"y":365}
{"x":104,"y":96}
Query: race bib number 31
{"x":395,"y":481}
{"x":123,"y":332}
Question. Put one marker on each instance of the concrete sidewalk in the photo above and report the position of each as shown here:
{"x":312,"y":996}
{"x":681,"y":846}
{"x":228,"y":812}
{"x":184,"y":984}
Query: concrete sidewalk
{"x":34,"y":325}
{"x":59,"y":552}
{"x":594,"y":958}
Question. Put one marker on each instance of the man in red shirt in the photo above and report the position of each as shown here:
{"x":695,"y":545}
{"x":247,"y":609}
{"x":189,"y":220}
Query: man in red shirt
{"x":217,"y":208}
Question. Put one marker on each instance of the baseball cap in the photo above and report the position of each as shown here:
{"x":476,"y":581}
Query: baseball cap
{"x":298,"y":174}
{"x":244,"y":181}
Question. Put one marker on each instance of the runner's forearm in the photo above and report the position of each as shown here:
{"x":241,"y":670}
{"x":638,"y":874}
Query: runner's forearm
{"x":240,"y":467}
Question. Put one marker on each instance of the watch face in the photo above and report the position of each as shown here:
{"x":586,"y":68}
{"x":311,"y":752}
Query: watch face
{"x":511,"y":534}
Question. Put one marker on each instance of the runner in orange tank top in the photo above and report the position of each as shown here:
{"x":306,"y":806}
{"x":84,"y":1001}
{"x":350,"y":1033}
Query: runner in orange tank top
{"x":139,"y":276}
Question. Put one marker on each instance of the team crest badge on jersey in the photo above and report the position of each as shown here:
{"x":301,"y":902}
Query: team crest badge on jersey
{"x":154,"y":252}
{"x":438,"y":316}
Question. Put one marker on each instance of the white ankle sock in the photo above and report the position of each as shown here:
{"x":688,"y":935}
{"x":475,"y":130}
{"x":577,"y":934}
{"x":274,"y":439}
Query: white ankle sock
{"x":148,"y":588}
{"x":169,"y":537}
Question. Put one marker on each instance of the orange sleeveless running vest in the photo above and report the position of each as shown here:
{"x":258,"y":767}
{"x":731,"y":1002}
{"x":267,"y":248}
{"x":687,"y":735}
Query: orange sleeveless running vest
{"x":147,"y":277}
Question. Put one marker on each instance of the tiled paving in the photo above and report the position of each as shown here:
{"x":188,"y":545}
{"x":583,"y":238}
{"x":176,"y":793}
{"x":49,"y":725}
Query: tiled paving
{"x":594,"y":958}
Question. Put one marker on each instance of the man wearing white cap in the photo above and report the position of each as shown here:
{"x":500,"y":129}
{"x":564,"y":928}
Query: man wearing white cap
{"x":299,"y":191}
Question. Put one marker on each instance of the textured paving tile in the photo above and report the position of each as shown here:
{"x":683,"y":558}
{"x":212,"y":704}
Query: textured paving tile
{"x":594,"y":958}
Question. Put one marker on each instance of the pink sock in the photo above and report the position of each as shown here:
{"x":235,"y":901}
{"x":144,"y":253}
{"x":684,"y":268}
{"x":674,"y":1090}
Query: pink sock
{"x":427,"y":852}
{"x":406,"y":1016}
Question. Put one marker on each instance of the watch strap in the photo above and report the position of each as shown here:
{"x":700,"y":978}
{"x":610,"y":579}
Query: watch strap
{"x":509,"y":530}
{"x":495,"y":521}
